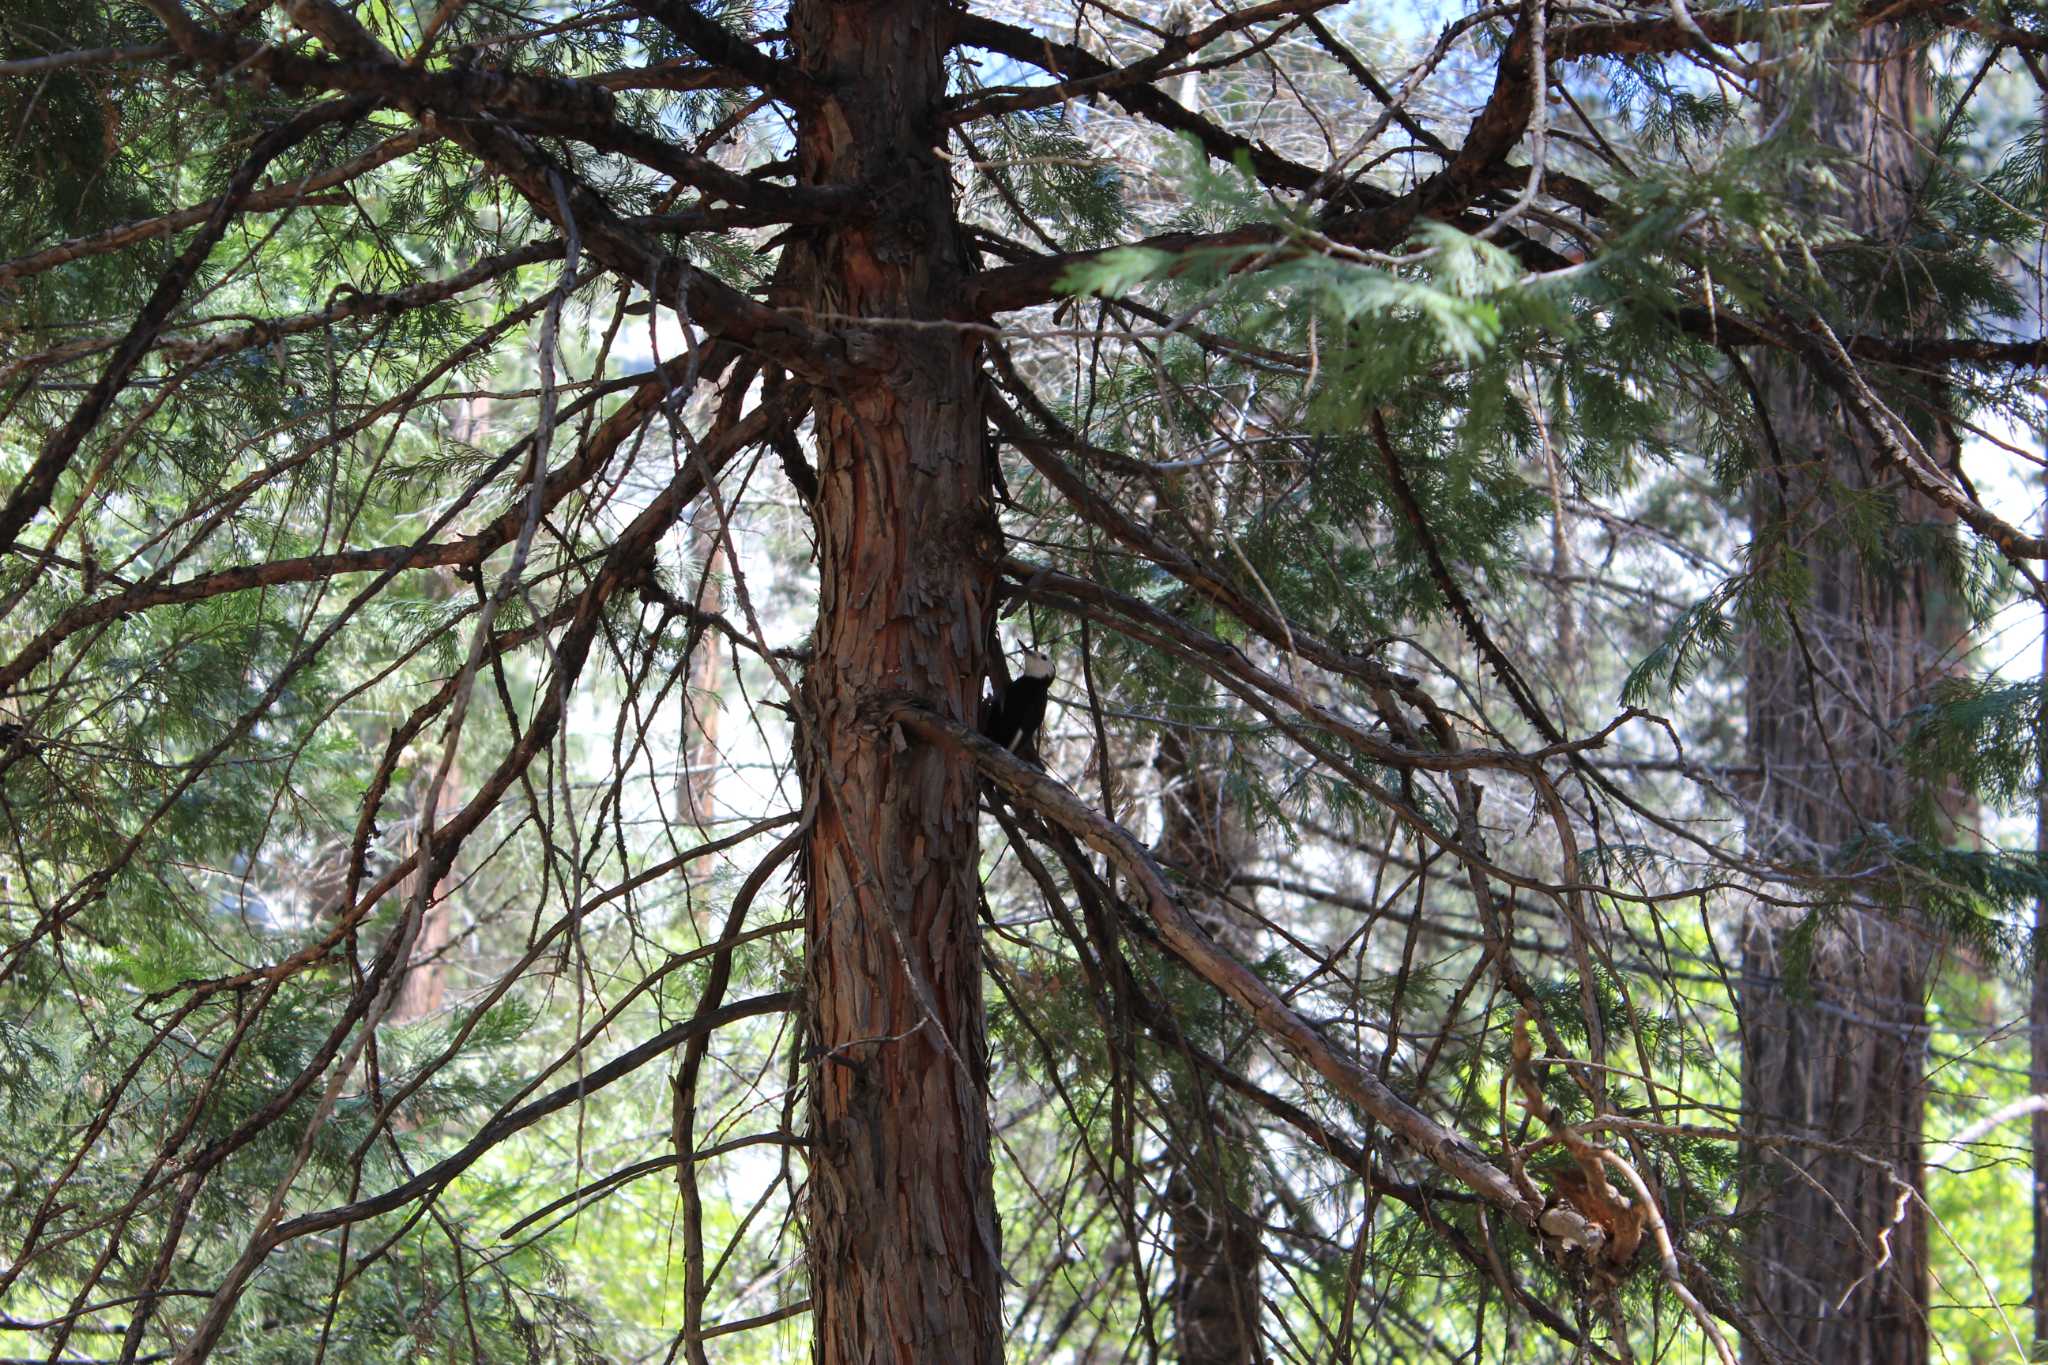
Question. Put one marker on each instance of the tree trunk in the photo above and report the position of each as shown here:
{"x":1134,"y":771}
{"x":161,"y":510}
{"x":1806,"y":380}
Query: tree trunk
{"x":2037,"y":1017}
{"x":1215,"y":1295}
{"x":1836,"y":1267}
{"x":1844,"y":1067}
{"x":903,"y":1244}
{"x":424,"y":986}
{"x":699,"y":753}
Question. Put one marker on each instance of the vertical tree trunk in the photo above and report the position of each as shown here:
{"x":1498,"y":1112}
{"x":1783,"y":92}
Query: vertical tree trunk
{"x":699,"y":754}
{"x":2037,"y":1013}
{"x":1215,"y":1295}
{"x":903,"y":1243}
{"x":425,"y":985}
{"x":1837,"y":1263}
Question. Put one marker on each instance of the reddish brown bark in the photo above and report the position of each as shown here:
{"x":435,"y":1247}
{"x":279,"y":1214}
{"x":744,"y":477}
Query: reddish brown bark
{"x":903,"y":1239}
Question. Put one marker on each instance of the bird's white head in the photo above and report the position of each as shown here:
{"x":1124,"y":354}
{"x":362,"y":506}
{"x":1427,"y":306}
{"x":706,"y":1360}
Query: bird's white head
{"x":1037,"y":665}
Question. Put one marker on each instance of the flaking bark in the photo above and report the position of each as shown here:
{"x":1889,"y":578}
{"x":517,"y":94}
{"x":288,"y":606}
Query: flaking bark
{"x":903,"y":1239}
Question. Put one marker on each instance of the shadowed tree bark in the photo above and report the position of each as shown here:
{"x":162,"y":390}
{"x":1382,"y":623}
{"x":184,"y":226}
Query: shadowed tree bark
{"x":1838,"y":1269}
{"x":2037,"y":1058}
{"x":1215,"y":1295}
{"x":2037,"y":1021}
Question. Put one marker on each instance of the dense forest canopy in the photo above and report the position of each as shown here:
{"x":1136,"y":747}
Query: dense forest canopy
{"x":521,"y":531}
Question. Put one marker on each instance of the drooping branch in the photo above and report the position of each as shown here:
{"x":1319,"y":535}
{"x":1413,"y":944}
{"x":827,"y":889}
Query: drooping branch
{"x":1039,"y":792}
{"x":343,"y":305}
{"x":437,"y":1176}
{"x":468,"y":551}
{"x":710,"y":40}
{"x":289,"y":195}
{"x":724,"y":311}
{"x":1132,"y":86}
{"x":32,"y":494}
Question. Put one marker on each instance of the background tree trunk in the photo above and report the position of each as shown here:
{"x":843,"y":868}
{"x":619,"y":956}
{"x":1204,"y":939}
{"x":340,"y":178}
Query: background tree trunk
{"x":699,"y":753}
{"x":903,"y":1242}
{"x":1216,"y":1297}
{"x":425,"y":985}
{"x":2037,"y":1015}
{"x":1845,"y":1066}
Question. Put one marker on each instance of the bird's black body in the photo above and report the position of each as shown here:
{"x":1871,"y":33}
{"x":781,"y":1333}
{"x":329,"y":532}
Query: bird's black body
{"x":1014,"y":719}
{"x":17,"y":743}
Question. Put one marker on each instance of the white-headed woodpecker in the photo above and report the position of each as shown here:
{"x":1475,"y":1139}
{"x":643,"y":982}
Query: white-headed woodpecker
{"x":1014,"y":720}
